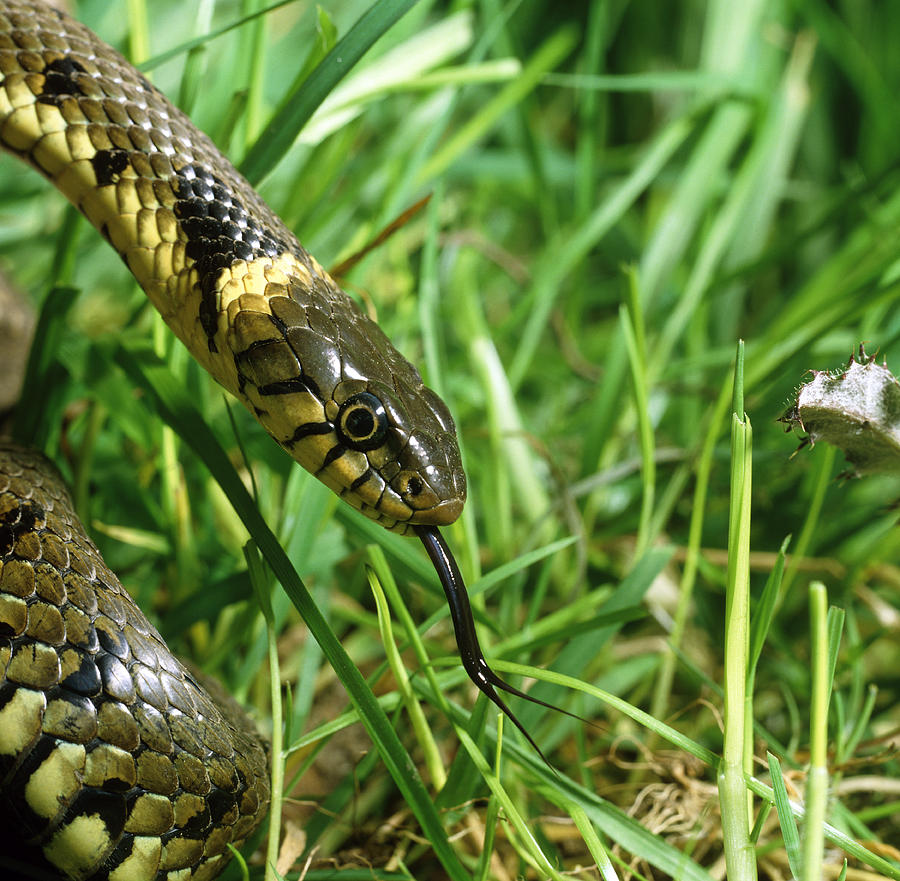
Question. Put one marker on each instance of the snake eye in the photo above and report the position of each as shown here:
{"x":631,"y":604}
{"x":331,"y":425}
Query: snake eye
{"x":362,"y":422}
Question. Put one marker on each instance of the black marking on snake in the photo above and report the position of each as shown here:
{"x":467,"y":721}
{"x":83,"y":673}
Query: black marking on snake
{"x":220,"y":232}
{"x":255,"y":344}
{"x":7,"y":692}
{"x":28,"y":823}
{"x":282,"y":327}
{"x":113,"y":642}
{"x":334,"y":453}
{"x":124,"y":848}
{"x":108,"y":806}
{"x":86,"y":679}
{"x":108,"y":165}
{"x":25,"y":516}
{"x":306,"y":430}
{"x":16,"y":522}
{"x":220,"y":803}
{"x":293,"y":385}
{"x":284,"y":387}
{"x":113,"y":783}
{"x":241,"y":357}
{"x":361,"y":480}
{"x":311,"y":385}
{"x":60,"y":81}
{"x":200,"y":822}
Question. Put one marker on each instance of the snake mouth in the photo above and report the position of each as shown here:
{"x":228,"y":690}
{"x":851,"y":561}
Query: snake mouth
{"x":442,"y":514}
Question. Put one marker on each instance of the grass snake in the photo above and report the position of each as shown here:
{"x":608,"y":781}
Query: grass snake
{"x":115,"y":763}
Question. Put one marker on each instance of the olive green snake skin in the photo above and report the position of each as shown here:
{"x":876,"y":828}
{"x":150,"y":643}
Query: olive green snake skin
{"x":114,"y":762}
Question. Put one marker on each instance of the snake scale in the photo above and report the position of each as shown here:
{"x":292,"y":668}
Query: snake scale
{"x":114,"y":762}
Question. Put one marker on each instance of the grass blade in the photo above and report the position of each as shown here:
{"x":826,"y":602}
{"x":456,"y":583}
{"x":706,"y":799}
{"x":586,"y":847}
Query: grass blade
{"x":297,"y":108}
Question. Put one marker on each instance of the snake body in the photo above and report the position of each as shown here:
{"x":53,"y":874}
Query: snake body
{"x":114,"y":762}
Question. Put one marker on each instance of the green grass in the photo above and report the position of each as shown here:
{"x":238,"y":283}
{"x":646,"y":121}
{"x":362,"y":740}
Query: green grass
{"x":618,"y":196}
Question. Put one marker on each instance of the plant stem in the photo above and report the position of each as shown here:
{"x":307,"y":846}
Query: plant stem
{"x":737,"y":751}
{"x":817,"y":781}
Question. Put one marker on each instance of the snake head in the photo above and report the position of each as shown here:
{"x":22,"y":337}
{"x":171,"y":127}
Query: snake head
{"x":401,"y":455}
{"x":329,"y":386}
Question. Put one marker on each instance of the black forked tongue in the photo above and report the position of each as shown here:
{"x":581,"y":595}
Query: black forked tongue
{"x":470,"y":653}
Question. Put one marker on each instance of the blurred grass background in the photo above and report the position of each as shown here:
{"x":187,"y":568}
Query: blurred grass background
{"x":687,"y":173}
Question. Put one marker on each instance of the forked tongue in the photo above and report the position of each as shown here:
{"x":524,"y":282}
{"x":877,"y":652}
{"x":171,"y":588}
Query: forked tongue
{"x":470,"y":653}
